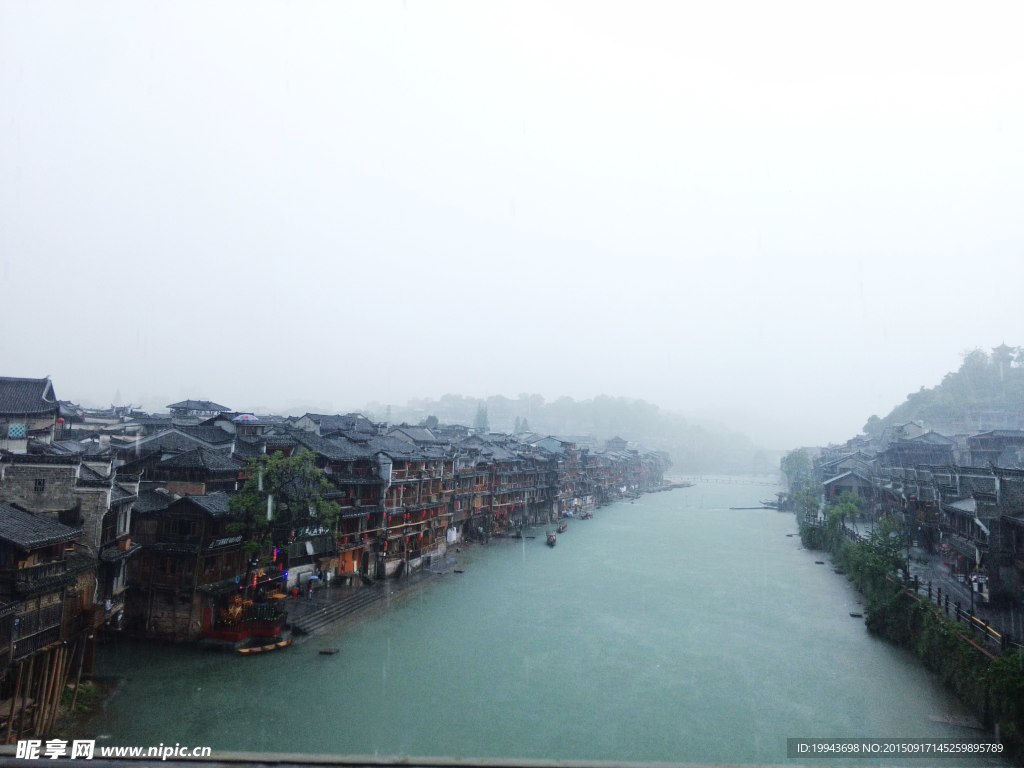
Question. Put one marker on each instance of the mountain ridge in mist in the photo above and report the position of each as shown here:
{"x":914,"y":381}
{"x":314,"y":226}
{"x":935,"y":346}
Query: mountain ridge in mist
{"x":985,"y":393}
{"x":693,"y":446}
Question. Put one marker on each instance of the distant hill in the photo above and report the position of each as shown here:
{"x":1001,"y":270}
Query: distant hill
{"x":987,"y":392}
{"x":693,"y":447}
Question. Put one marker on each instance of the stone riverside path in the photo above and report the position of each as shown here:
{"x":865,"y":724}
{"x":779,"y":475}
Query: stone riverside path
{"x":309,"y":615}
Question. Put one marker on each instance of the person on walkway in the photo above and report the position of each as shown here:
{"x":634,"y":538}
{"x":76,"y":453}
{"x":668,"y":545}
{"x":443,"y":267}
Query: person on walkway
{"x":309,"y":591}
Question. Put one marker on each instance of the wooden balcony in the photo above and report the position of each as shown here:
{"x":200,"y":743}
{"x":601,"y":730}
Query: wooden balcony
{"x":29,"y":645}
{"x":39,"y":579}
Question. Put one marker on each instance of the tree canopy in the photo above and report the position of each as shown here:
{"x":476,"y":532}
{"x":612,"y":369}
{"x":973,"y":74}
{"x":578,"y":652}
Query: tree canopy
{"x":480,"y":422}
{"x":293,"y":488}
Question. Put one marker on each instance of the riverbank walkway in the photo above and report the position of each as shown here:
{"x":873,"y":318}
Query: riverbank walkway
{"x":930,"y":568}
{"x":932,"y":578}
{"x":338,"y":599}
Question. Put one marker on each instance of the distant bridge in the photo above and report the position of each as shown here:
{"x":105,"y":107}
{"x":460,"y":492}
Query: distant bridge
{"x":732,"y":480}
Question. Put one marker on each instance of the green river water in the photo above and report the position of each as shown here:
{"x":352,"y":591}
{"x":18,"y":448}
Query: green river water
{"x":668,"y":629}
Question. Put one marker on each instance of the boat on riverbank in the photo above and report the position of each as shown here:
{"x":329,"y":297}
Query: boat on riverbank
{"x":258,"y":646}
{"x":562,"y":527}
{"x":248,"y":628}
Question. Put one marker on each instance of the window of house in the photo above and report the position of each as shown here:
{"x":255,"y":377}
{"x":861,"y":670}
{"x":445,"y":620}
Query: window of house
{"x":40,"y":485}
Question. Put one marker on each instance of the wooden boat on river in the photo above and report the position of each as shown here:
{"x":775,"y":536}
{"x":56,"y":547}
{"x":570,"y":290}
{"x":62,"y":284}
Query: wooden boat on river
{"x":272,"y":645}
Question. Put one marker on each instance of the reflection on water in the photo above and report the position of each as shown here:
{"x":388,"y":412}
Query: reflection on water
{"x":669,"y":629}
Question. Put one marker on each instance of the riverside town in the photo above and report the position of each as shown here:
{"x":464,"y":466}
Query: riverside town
{"x":928,"y":524}
{"x":206,"y":525}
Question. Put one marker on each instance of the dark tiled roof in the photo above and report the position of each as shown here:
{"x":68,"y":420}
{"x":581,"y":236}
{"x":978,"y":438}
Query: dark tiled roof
{"x":77,"y":433}
{"x":418,"y":434}
{"x":175,"y":440}
{"x":202,"y":458}
{"x":227,"y":541}
{"x":40,"y":458}
{"x":338,"y":449}
{"x":214,"y":504}
{"x":152,"y":501}
{"x":247,"y":448}
{"x":75,"y":447}
{"x":28,"y":531}
{"x":119,"y":495}
{"x":1011,"y":458}
{"x":499,"y":453}
{"x":211,"y":435}
{"x":113,"y":552}
{"x":199,"y":405}
{"x":401,"y":449}
{"x":148,"y":422}
{"x":279,"y":441}
{"x":932,"y":438}
{"x":26,"y":397}
{"x":551,"y":444}
{"x":90,"y":478}
{"x":349,"y":422}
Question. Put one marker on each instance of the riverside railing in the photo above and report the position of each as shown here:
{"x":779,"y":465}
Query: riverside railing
{"x":996,"y":639}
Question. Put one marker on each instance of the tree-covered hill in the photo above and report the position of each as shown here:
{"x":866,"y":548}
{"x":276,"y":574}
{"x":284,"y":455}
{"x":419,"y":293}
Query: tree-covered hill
{"x":985,"y":393}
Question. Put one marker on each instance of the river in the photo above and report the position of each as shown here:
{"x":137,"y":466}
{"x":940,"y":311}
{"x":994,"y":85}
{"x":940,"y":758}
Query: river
{"x":667,"y":629}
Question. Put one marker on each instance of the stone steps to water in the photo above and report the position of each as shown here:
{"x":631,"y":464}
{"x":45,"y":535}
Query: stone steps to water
{"x":313,"y":621}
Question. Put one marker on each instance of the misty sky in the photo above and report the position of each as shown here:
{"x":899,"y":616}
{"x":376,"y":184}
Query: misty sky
{"x":784,"y":215}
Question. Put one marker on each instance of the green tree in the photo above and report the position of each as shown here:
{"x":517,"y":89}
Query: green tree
{"x":480,"y":423}
{"x":805,"y":503}
{"x":430,"y":422}
{"x":874,"y":426}
{"x":283,"y":494}
{"x":884,"y":547}
{"x":796,"y":465}
{"x":1006,"y":677}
